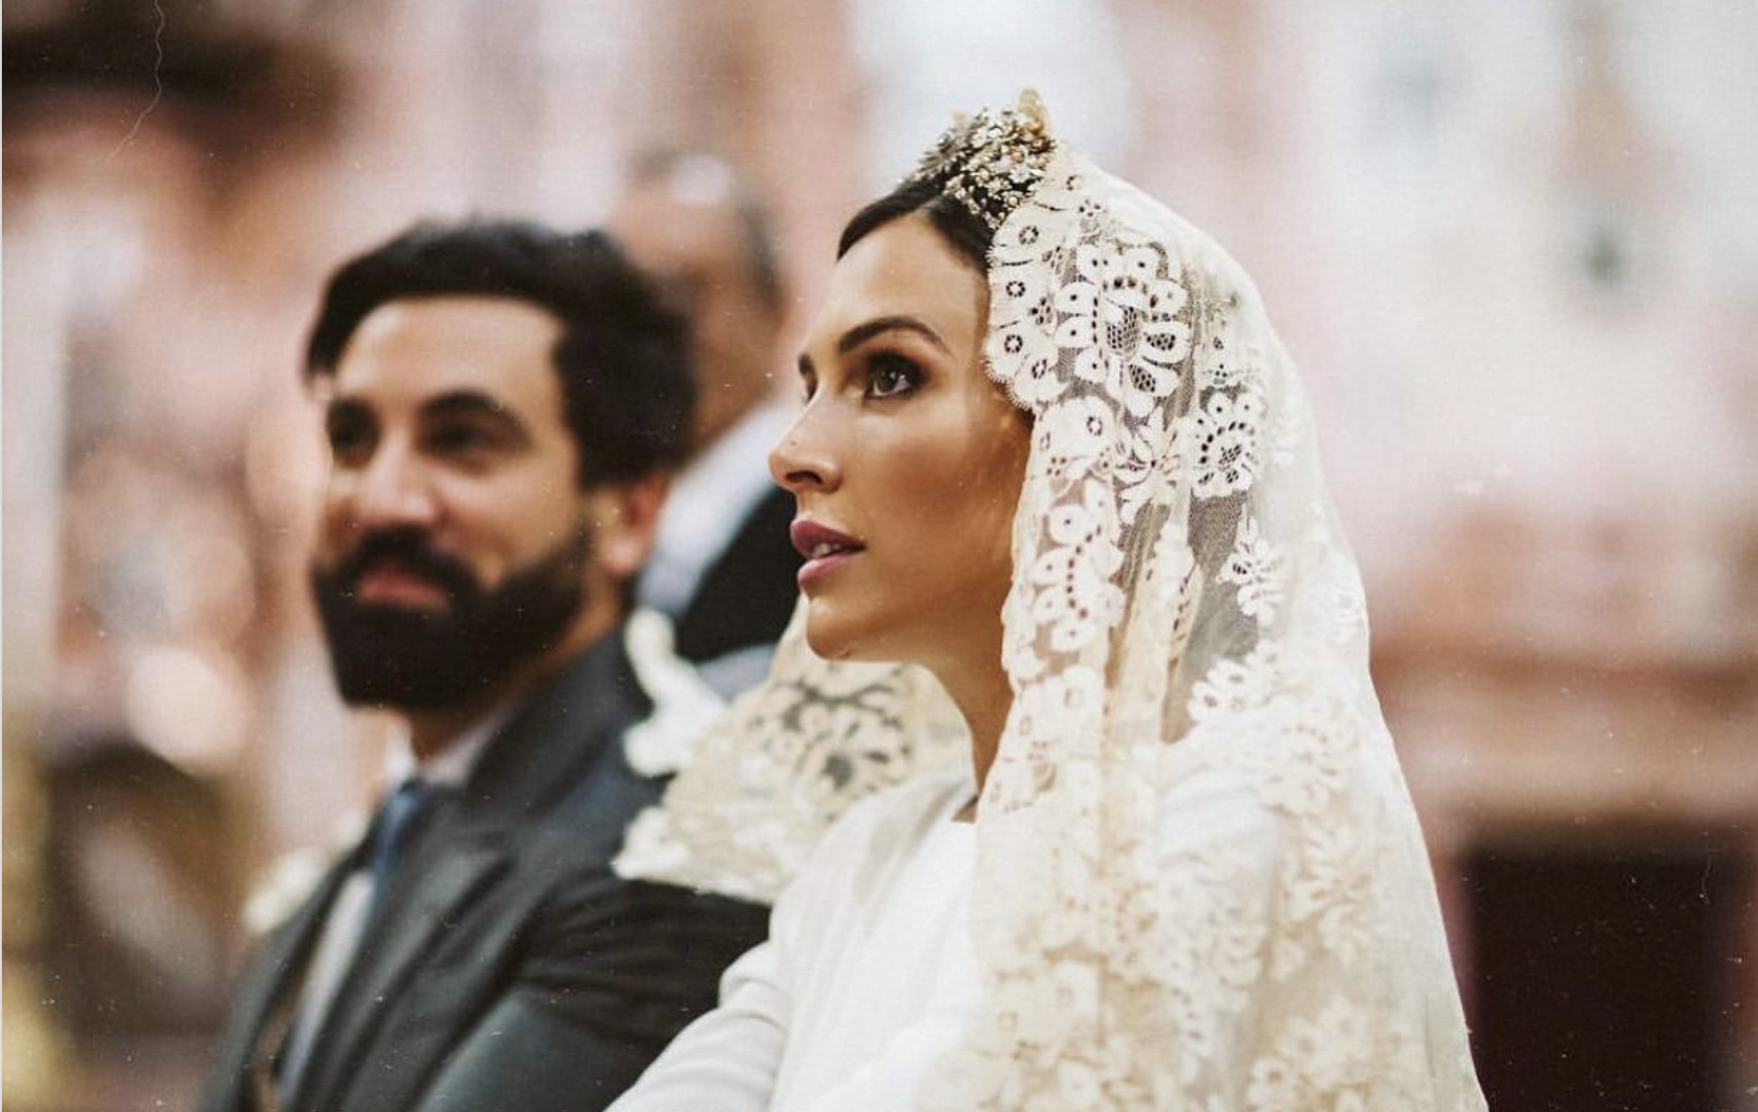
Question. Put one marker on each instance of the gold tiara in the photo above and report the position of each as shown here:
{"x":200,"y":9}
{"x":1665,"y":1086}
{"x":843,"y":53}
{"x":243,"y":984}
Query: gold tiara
{"x":991,"y":164}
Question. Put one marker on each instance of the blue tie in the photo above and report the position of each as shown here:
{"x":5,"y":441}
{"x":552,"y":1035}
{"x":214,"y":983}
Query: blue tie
{"x":398,"y":819}
{"x":393,"y":830}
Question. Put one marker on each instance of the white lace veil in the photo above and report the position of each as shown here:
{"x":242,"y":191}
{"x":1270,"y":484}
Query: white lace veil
{"x":747,"y":806}
{"x":1200,"y":882}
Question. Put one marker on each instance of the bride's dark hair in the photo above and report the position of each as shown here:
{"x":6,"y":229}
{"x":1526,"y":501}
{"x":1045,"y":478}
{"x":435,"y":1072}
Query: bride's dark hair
{"x":957,"y":224}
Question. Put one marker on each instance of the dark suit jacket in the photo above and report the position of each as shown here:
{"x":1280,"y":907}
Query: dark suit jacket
{"x":508,"y":967}
{"x":747,"y":594}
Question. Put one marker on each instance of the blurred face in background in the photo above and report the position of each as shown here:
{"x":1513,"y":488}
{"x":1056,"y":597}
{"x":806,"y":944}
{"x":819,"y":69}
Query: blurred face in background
{"x":691,"y":237}
{"x":907,"y":460}
{"x":456,"y":546}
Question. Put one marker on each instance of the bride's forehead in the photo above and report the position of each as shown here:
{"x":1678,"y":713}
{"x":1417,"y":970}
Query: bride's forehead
{"x":902,"y":267}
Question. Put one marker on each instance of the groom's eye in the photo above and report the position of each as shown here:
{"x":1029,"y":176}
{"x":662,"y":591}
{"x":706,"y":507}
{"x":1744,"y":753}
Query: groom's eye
{"x":351,"y":432}
{"x":470,"y":439}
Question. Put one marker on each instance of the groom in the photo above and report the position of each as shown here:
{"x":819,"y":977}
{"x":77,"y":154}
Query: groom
{"x":502,"y":405}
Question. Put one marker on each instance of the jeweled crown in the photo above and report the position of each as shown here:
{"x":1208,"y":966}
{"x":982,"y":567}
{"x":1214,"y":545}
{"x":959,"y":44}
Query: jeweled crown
{"x":991,"y":164}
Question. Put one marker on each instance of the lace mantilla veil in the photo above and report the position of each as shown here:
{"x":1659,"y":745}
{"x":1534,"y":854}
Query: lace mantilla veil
{"x":1186,"y":624}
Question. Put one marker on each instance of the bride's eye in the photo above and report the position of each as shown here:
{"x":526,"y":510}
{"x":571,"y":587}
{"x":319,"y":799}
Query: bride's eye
{"x":892,"y":376}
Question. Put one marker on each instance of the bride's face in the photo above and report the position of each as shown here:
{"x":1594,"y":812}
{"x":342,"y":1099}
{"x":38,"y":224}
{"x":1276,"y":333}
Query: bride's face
{"x":906,"y":461}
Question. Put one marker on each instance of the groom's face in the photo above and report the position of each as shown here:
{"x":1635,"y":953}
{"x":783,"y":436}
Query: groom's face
{"x":455,"y":542}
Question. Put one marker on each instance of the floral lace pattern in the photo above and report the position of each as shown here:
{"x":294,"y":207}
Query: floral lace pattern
{"x":1185,"y":625}
{"x":1200,"y":883}
{"x":757,"y":792}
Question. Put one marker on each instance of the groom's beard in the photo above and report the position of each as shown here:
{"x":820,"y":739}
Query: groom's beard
{"x":414,"y":659}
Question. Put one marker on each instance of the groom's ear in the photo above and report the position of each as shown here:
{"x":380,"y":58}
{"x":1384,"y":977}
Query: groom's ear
{"x":625,"y":520}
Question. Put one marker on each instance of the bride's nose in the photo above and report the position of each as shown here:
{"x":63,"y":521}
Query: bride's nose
{"x":803,"y":458}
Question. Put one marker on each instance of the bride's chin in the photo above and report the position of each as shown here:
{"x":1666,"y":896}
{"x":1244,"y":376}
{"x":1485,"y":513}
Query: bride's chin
{"x":825,"y":635}
{"x":833,"y":634}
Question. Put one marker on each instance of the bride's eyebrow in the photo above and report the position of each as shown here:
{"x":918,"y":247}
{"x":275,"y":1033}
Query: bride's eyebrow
{"x":861,"y":333}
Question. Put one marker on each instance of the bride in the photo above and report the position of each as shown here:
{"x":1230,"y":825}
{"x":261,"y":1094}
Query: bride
{"x":1052,"y":453}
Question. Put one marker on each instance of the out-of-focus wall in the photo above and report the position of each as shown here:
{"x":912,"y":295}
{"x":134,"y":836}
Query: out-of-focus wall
{"x":1514,"y":248}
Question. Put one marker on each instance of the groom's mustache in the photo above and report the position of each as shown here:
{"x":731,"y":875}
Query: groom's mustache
{"x":407,"y":549}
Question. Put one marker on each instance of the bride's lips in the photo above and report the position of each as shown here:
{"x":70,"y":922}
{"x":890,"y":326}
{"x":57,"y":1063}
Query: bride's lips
{"x":824,"y":548}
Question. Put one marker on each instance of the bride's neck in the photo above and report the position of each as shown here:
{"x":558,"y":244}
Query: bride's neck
{"x":983,"y":696}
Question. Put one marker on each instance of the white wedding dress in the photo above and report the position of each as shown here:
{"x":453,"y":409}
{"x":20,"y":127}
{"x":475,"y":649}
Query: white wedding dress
{"x":866,"y":980}
{"x":869,"y":977}
{"x":1196,"y":881}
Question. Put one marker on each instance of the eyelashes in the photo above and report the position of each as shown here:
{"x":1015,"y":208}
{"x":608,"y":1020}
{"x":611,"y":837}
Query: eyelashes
{"x":890,"y":375}
{"x":882,"y":375}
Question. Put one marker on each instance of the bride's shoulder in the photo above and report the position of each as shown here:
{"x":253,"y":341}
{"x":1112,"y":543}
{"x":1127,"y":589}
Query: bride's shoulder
{"x":888,"y":825}
{"x":905,"y":811}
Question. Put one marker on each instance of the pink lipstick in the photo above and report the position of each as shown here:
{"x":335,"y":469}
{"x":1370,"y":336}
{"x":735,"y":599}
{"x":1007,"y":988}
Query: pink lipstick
{"x":824,"y":548}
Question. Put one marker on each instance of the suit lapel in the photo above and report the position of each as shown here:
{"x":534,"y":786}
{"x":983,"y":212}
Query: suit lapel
{"x":576,"y":719}
{"x":281,"y":968}
{"x":404,"y":933}
{"x":272,"y":978}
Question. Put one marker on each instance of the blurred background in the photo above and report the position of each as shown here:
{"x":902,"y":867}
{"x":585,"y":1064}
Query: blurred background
{"x":1514,"y":246}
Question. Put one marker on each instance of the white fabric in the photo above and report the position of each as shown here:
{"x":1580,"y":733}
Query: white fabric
{"x":866,"y":980}
{"x":739,"y":670}
{"x":1185,"y":624}
{"x":708,"y":502}
{"x":754,"y":797}
{"x":685,"y":706}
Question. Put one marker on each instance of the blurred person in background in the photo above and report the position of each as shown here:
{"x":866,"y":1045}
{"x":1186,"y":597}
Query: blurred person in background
{"x":722,"y":566}
{"x":503,"y":405}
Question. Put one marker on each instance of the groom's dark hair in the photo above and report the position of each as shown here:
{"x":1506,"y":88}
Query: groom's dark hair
{"x":623,"y":359}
